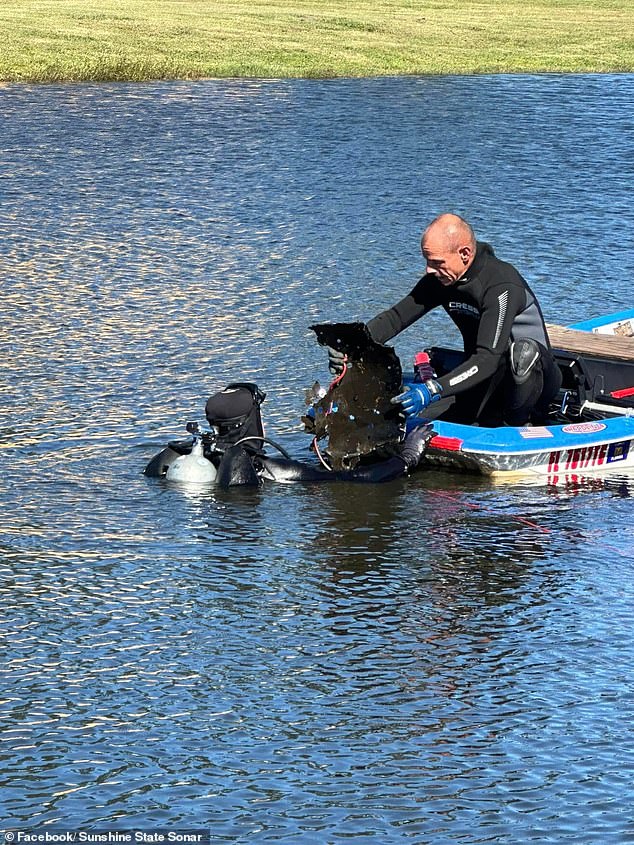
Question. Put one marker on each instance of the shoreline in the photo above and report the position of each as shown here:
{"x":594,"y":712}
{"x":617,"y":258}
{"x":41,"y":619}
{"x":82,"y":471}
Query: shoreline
{"x":276,"y":79}
{"x":158,"y":40}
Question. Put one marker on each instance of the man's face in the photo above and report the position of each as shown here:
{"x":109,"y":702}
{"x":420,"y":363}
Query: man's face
{"x":449,"y":265}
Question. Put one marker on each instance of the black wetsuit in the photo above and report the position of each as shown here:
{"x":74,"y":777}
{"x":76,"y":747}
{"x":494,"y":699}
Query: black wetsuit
{"x":238,"y":466}
{"x":492,"y":306}
{"x":284,"y":470}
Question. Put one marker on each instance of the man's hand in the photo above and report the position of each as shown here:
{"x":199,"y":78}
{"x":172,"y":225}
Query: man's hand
{"x":415,"y":443}
{"x":336,"y":361}
{"x":416,"y":397}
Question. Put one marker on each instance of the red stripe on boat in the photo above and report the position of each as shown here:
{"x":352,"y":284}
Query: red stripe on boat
{"x":621,"y":394}
{"x":449,"y":444}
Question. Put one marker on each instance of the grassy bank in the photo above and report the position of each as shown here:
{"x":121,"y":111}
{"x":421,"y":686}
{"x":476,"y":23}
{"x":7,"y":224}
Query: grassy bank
{"x":53,"y":40}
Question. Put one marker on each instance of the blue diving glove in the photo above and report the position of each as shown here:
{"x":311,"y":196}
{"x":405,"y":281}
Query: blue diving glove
{"x":416,"y":397}
{"x":336,"y":361}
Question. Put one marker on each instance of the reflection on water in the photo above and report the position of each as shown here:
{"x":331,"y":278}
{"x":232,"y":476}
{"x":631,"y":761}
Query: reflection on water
{"x":438,"y":659}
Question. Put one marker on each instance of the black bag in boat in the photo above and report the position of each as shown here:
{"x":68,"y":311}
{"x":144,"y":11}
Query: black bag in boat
{"x":235,"y":414}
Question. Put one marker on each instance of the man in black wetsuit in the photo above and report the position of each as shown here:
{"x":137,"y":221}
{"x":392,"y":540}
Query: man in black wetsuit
{"x":508,"y":374}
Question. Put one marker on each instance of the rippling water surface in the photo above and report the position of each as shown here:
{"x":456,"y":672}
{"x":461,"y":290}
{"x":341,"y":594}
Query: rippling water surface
{"x":433,"y":660}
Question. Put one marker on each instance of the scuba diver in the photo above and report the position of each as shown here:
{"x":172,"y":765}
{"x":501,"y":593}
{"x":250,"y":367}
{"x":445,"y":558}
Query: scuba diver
{"x":366,"y":436}
{"x":232,"y":454}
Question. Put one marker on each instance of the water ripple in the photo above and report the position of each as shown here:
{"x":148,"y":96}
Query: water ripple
{"x":436,"y":660}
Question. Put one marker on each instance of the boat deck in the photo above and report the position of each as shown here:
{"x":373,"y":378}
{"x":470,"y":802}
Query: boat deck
{"x":591,"y":344}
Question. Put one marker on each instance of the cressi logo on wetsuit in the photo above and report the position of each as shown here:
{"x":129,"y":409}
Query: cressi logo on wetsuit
{"x":454,"y":307}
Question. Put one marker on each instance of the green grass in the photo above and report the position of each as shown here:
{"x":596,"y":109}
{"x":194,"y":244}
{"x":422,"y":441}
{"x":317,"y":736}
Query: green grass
{"x":78,"y":40}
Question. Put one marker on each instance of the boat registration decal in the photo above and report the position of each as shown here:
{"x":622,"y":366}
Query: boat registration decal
{"x":583,"y":428}
{"x":618,"y":451}
{"x":536,"y":431}
{"x":565,"y":460}
{"x":585,"y":457}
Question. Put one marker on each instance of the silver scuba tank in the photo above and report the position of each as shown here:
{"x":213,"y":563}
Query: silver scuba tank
{"x":193,"y":468}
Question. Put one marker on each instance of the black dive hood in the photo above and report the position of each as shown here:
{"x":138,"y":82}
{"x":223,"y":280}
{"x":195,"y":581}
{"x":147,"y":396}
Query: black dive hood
{"x":235,"y":414}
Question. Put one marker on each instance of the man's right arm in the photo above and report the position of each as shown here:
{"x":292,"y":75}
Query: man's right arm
{"x":418,"y":302}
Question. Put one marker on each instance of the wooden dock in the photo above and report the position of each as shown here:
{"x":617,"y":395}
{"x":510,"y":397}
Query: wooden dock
{"x":589,"y":343}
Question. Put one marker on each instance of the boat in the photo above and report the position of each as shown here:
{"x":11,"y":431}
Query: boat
{"x":353,"y":423}
{"x":592,"y":427}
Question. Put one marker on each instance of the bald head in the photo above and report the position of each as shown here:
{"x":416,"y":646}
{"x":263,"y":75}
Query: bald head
{"x":450,"y":231}
{"x":449,"y":247}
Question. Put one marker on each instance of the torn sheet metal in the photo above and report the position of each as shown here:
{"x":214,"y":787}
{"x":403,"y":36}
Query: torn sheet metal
{"x":356,"y":415}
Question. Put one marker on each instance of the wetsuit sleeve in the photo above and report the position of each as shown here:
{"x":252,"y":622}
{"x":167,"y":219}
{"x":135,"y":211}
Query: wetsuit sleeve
{"x":421,"y":299}
{"x":500,"y":306}
{"x":376,"y":473}
{"x":280,"y":469}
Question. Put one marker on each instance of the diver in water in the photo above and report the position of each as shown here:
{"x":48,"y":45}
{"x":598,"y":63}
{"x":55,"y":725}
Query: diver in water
{"x":507,"y":374}
{"x":233,"y":453}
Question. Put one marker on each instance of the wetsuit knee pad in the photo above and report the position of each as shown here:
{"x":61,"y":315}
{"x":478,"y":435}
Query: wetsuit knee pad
{"x":524,"y":355}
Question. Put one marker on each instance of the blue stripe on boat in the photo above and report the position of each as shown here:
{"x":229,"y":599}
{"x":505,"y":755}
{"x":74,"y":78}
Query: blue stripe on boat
{"x":597,"y":322}
{"x":510,"y":440}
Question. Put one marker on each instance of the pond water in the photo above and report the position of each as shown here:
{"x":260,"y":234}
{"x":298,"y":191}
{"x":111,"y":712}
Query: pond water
{"x":433,"y":660}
